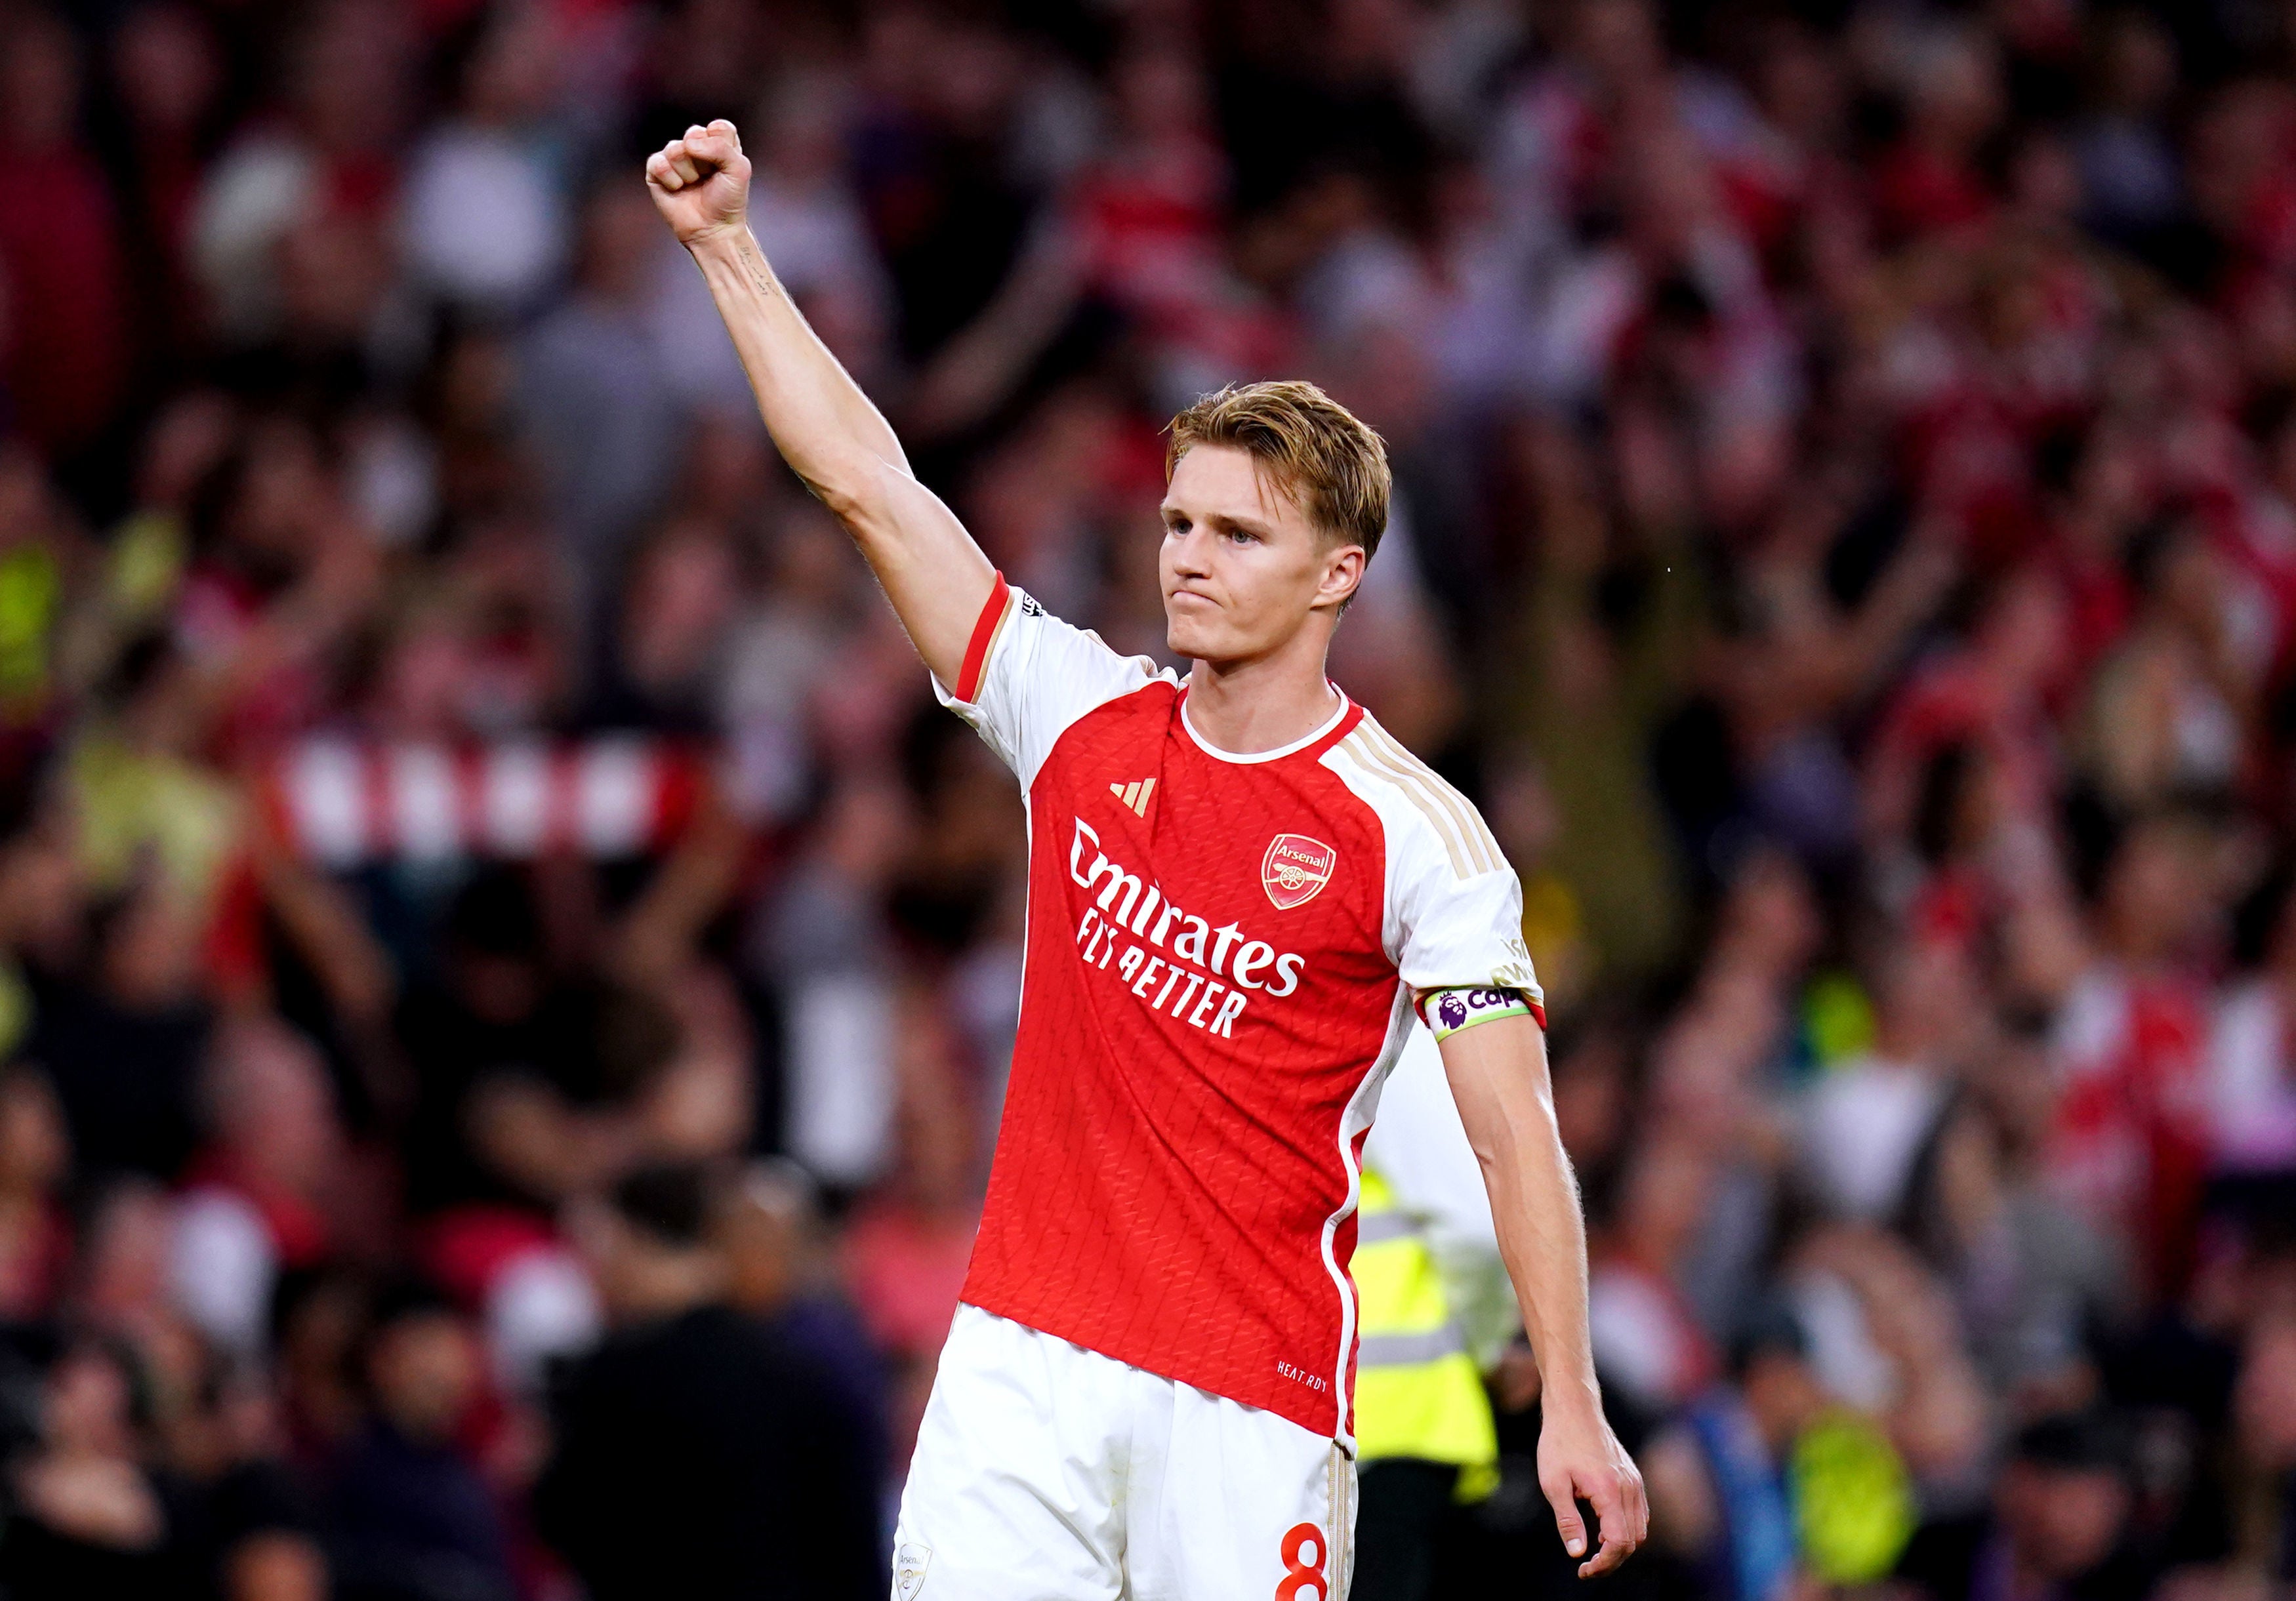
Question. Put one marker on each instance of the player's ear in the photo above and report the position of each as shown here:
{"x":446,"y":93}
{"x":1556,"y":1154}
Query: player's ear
{"x":1343,"y":571}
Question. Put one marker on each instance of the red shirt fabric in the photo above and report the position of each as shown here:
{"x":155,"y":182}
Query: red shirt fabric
{"x":1221,"y":953}
{"x":298,"y":1229}
{"x":1916,"y":192}
{"x":66,"y":355}
{"x":2129,"y":1146}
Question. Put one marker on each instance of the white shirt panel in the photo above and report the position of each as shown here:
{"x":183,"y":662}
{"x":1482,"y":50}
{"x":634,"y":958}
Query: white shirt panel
{"x":1040,"y":675}
{"x":1454,"y":907}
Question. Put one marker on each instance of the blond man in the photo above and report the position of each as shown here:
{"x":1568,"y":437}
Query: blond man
{"x":1241,"y":890}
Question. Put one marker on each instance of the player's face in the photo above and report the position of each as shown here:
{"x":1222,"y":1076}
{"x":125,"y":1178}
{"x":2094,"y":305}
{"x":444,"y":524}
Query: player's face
{"x":1243,"y":569}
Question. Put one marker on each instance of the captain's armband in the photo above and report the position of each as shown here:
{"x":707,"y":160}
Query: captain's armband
{"x":1448,"y":1011}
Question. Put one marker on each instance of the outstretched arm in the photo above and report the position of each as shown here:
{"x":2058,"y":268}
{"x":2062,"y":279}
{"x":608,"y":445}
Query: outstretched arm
{"x":826,"y":429}
{"x":1498,"y":1077}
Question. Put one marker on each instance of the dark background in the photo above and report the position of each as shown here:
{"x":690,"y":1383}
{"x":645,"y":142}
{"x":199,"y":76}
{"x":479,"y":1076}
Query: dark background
{"x":1844,"y":538}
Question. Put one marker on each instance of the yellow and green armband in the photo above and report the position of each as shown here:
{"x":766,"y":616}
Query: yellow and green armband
{"x":1448,"y":1011}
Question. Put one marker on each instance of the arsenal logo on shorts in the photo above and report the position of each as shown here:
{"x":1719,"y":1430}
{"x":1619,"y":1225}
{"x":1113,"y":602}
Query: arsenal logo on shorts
{"x":909,"y":1565}
{"x":1295,"y":867}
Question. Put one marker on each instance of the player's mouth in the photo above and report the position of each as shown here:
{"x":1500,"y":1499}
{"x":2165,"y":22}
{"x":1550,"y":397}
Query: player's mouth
{"x":1175,"y":596}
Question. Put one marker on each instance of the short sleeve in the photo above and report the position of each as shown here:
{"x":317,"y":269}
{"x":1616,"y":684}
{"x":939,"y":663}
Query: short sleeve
{"x":1453,"y":917}
{"x":1455,"y":931}
{"x":1027,"y":675}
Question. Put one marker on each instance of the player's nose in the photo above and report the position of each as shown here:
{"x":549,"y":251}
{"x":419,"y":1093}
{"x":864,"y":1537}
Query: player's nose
{"x":1191,"y":553}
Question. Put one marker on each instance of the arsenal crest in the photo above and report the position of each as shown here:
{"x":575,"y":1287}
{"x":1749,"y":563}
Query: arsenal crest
{"x":1295,"y":869}
{"x":909,"y":1565}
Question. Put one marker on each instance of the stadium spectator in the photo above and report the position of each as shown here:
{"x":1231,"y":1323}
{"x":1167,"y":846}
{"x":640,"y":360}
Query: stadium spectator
{"x":2060,"y":1513}
{"x":408,"y":1517}
{"x":254,"y":1202}
{"x":59,"y":245}
{"x":36,"y":1233}
{"x":95,"y":1521}
{"x":698,"y":1450}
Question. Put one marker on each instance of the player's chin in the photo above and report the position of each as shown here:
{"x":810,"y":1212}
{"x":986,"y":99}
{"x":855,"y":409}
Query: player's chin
{"x":1189,"y":635}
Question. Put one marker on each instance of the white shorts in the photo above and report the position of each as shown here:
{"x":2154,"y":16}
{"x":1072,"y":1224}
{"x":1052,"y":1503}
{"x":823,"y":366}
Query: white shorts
{"x":1046,"y":1471}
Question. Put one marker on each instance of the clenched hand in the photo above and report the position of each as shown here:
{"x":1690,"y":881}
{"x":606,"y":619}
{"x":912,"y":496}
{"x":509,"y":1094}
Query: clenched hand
{"x":700,"y":183}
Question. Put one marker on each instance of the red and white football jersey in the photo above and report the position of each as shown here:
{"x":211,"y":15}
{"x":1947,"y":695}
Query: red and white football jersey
{"x":1222,"y":951}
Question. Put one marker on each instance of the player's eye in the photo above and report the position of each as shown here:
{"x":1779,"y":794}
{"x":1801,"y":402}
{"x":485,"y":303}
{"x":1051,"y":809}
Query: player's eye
{"x":1176,"y":527}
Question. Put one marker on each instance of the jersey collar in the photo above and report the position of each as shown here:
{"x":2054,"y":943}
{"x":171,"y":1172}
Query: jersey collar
{"x":1294,"y":748}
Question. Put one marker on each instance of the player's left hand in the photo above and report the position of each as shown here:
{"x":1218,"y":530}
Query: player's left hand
{"x":1579,"y":1458}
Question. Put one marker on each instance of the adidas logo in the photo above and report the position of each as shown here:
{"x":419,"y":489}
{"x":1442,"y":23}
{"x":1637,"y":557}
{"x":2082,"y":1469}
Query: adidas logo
{"x":1135,"y":793}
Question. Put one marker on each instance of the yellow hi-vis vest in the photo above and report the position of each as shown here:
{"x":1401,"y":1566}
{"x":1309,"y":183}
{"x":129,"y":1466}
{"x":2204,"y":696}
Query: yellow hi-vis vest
{"x":1418,"y":1393}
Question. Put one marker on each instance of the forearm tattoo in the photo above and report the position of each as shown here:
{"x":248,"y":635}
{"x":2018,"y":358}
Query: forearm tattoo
{"x":753,"y":264}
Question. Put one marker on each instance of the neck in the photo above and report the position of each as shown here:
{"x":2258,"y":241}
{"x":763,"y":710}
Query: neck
{"x":1264,"y":704}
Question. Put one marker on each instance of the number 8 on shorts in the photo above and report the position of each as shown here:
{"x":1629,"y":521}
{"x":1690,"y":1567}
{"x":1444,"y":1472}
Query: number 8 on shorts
{"x":1304,"y":1554}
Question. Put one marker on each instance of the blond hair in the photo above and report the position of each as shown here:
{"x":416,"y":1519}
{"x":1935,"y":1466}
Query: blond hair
{"x":1321,"y":454}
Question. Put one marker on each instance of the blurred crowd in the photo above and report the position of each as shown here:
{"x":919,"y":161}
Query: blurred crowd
{"x":506,"y":974}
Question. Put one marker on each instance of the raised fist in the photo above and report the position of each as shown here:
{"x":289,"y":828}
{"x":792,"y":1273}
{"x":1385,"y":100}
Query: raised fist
{"x":701,"y":183}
